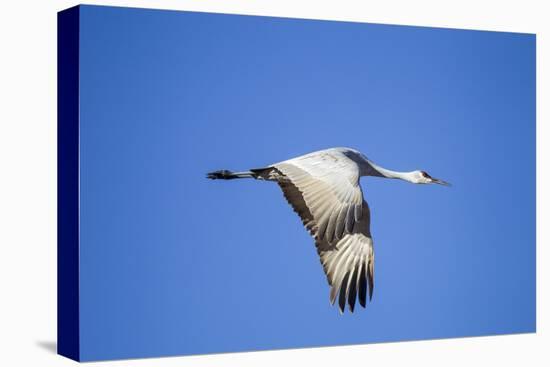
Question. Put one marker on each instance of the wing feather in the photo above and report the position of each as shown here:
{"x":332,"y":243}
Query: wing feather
{"x":352,"y":288}
{"x":329,"y":184}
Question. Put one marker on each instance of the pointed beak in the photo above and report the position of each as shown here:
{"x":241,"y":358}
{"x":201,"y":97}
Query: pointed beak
{"x":440,"y":182}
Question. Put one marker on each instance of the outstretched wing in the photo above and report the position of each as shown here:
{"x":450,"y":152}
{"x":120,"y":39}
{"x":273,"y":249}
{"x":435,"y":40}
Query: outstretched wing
{"x":324,"y":190}
{"x":329,"y":184}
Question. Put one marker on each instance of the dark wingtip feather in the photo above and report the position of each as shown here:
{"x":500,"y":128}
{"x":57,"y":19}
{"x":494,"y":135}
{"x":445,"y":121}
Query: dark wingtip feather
{"x":352,"y":296}
{"x":342,"y":296}
{"x":370,"y":277}
{"x":363,"y":287}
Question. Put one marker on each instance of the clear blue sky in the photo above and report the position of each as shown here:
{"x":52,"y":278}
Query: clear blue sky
{"x":172,"y":263}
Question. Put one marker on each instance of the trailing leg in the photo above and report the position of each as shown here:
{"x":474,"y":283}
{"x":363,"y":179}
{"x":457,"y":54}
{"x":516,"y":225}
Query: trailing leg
{"x":228,"y":175}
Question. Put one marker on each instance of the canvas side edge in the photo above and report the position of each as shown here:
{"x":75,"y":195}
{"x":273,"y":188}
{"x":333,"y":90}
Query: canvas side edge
{"x":68,"y":212}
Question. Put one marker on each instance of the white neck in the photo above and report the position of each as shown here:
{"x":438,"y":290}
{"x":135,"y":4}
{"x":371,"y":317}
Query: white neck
{"x":406,"y":176}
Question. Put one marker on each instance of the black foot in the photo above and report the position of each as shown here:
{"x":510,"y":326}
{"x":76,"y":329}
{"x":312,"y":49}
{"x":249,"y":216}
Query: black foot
{"x":220,"y":175}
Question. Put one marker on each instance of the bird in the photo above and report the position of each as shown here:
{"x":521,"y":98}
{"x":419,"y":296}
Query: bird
{"x":323,"y":189}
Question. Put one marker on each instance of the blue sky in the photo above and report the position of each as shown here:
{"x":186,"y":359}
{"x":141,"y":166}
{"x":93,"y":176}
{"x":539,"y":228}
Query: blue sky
{"x":172,"y":263}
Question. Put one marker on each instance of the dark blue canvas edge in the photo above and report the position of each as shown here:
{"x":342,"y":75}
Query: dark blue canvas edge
{"x":68,"y":329}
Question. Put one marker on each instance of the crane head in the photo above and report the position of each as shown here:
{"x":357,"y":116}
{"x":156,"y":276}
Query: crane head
{"x":422,"y":177}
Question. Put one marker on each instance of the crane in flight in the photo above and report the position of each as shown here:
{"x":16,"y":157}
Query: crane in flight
{"x":323,"y":189}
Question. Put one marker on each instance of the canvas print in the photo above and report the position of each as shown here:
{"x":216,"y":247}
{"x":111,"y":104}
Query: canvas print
{"x":226,"y":182}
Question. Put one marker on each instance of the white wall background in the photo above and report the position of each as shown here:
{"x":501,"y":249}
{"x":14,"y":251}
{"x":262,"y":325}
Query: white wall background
{"x":28,"y":181}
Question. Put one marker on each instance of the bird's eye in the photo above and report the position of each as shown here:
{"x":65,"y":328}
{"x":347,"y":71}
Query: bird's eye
{"x":425,"y":174}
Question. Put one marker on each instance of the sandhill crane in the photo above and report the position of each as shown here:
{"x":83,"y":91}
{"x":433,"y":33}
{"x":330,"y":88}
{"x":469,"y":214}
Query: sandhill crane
{"x":323,"y":189}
